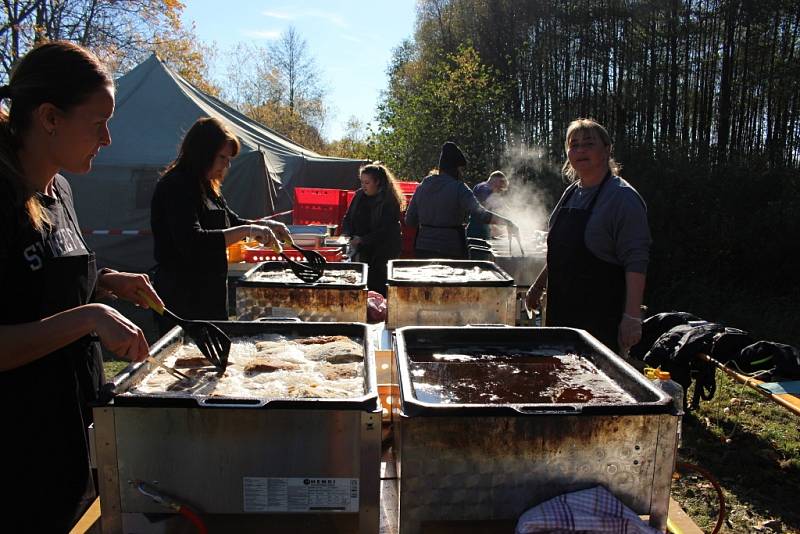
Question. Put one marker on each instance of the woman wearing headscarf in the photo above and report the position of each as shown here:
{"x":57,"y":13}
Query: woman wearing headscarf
{"x":597,"y":247}
{"x":440,"y":208}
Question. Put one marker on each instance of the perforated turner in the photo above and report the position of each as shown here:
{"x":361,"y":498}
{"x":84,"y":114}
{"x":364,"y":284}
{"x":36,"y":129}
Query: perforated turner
{"x":306,"y":272}
{"x":211,"y":341}
{"x":316,"y":260}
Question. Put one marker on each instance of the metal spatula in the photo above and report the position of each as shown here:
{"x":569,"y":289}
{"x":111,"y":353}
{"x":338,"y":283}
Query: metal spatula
{"x":211,"y":341}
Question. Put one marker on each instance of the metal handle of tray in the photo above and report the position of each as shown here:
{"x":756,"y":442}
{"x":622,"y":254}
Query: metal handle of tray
{"x":232,"y":402}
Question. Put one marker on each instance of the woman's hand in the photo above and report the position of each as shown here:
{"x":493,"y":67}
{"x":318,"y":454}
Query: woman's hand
{"x":630,"y":332}
{"x":263,"y":234}
{"x":533,"y":297}
{"x":117,"y":333}
{"x":280,"y":230}
{"x":128,"y":286}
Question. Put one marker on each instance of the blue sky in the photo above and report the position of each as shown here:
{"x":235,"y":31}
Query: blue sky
{"x":350,"y":40}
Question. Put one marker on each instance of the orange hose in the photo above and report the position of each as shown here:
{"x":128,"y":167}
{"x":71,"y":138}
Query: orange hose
{"x":194,"y":518}
{"x":684,"y":466}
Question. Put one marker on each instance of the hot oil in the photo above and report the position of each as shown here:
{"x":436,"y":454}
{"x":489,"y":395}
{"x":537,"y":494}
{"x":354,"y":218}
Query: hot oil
{"x":506,"y":376}
{"x":306,"y":379}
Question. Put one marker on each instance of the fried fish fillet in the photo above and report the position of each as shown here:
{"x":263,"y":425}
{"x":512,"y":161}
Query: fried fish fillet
{"x":268,"y":365}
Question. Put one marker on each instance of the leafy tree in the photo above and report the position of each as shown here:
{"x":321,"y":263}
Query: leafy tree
{"x":353,"y":143}
{"x":187,"y":56}
{"x":120,"y":32}
{"x":459,"y":99}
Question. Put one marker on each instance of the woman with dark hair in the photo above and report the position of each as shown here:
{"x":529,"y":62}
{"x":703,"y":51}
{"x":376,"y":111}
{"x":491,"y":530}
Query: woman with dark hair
{"x":192,"y":225}
{"x":373,"y":222}
{"x":440,"y":207}
{"x":598,"y":245}
{"x":60,"y":100}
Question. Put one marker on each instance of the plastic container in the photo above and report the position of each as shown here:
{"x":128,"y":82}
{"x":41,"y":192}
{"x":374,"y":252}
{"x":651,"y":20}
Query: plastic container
{"x":314,"y":205}
{"x":663,"y":381}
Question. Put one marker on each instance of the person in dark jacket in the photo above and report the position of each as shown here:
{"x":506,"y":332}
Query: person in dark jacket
{"x":440,"y":207}
{"x":598,"y":245}
{"x":192,"y":225}
{"x":373,"y":222}
{"x":487,"y":194}
{"x":60,"y":98}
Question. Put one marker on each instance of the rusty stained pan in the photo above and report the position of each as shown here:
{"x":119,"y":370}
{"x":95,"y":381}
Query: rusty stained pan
{"x":444,"y":303}
{"x":308,"y":302}
{"x":494,"y":461}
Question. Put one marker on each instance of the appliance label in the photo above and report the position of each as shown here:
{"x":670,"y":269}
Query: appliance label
{"x":297,"y":495}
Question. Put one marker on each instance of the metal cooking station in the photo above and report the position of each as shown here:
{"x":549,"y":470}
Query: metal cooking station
{"x":396,"y":459}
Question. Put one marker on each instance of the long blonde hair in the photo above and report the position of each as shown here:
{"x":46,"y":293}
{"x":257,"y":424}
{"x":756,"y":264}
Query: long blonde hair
{"x":588,"y":125}
{"x":386,"y":182}
{"x":61,"y":73}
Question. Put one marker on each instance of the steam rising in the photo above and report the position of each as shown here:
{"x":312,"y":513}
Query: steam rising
{"x":524,"y":202}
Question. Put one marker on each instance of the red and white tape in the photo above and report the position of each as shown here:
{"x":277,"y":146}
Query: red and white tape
{"x":116,"y":231}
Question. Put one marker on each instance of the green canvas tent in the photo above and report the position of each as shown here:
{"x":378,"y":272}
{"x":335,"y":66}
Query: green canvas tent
{"x":155,"y":107}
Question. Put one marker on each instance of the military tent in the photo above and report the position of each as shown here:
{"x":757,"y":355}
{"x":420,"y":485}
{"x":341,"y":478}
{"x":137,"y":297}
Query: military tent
{"x":154,"y":109}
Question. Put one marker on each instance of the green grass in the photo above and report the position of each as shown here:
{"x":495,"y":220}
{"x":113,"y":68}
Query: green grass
{"x":752,"y":447}
{"x":113,"y":367}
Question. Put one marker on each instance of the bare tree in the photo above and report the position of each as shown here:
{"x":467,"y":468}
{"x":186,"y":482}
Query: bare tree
{"x":299,"y":76}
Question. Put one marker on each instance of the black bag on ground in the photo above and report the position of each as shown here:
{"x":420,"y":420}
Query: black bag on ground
{"x":729,"y":343}
{"x":654,"y":327}
{"x":763,"y":355}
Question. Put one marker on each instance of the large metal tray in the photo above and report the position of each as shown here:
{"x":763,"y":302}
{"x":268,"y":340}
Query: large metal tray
{"x":246,"y":279}
{"x":504,"y":281}
{"x":648,"y":399}
{"x":310,"y":302}
{"x":368,"y":402}
{"x":491,"y":462}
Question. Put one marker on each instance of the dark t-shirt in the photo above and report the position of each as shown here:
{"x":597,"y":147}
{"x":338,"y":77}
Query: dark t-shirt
{"x":24,"y":251}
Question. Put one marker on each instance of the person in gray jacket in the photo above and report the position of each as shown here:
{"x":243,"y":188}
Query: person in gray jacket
{"x":440,"y":208}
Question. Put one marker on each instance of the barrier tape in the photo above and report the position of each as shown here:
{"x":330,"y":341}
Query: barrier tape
{"x":116,"y":231}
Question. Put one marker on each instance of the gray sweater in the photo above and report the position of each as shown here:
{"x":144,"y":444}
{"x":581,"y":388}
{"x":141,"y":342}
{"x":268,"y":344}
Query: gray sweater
{"x":617,"y":231}
{"x":440,"y":204}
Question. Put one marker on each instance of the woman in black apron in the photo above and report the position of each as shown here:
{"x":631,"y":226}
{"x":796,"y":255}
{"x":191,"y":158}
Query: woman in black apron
{"x":597,"y":246}
{"x":192,"y":225}
{"x":50,"y":363}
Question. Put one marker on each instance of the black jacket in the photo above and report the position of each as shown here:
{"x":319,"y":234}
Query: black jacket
{"x":376,"y":221}
{"x":189,"y":247}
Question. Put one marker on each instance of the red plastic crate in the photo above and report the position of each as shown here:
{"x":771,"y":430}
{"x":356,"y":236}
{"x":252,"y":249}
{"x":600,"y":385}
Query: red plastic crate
{"x":409,"y":234}
{"x":313,"y":205}
{"x":408,"y":188}
{"x":256,"y":255}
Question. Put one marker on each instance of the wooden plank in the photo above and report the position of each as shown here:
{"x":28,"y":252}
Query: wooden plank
{"x":787,"y":400}
{"x":681,"y":520}
{"x":90,"y":522}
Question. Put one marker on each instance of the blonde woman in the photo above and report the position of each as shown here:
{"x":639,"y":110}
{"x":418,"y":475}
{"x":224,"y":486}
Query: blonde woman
{"x":597,"y":247}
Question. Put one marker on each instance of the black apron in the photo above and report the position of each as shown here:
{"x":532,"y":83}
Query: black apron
{"x":48,"y":480}
{"x":583,"y":291}
{"x":196,"y":291}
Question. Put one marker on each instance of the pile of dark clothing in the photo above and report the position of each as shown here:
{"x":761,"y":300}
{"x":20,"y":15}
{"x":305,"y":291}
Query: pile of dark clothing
{"x":673,"y":340}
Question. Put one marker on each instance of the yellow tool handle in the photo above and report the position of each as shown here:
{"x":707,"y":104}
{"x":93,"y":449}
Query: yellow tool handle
{"x":156,"y":307}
